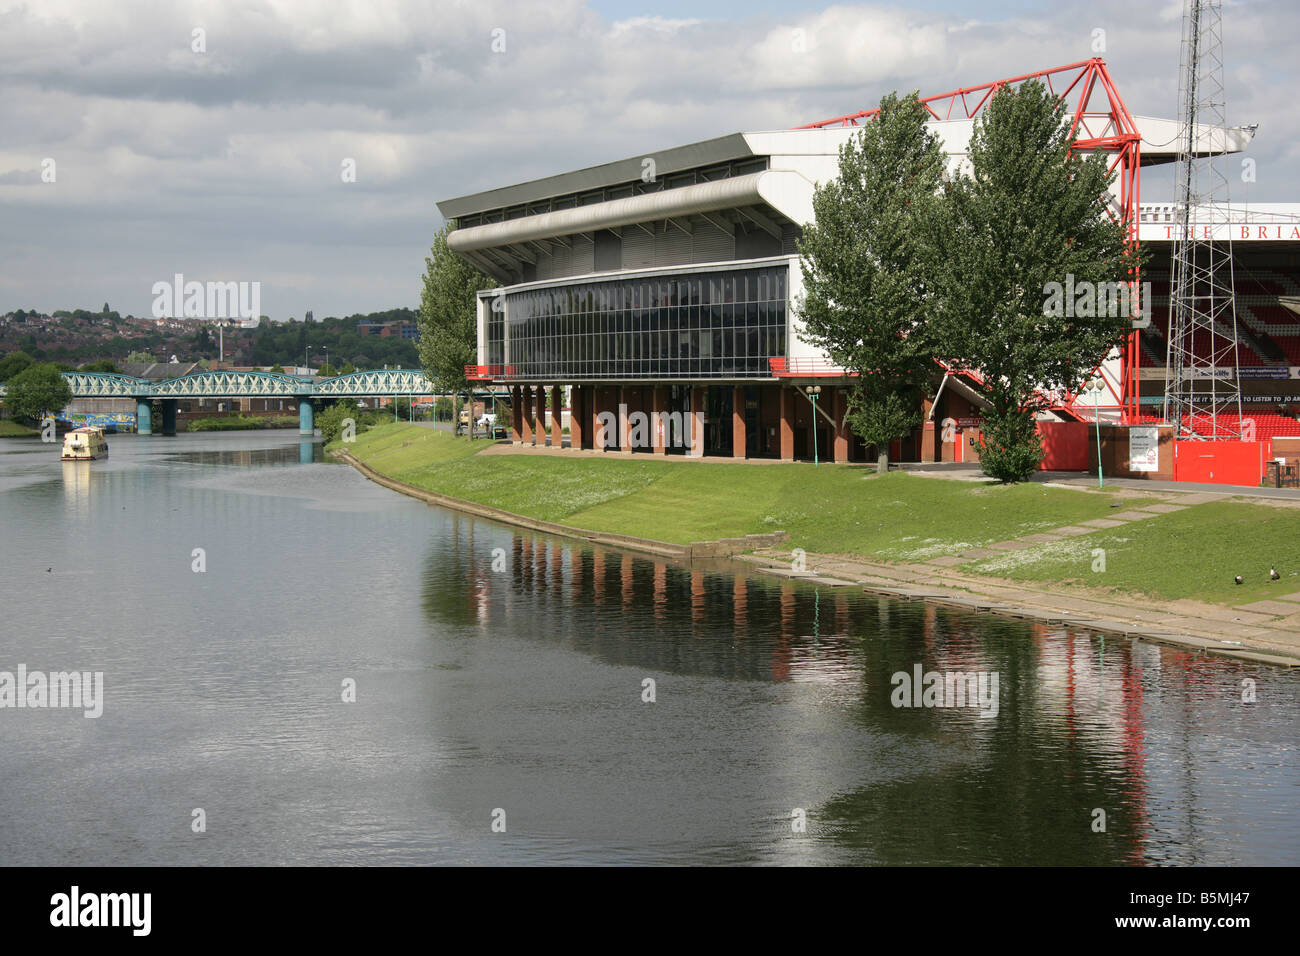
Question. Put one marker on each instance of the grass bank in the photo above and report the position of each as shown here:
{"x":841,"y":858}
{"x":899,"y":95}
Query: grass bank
{"x":896,"y":517}
{"x":11,"y":429}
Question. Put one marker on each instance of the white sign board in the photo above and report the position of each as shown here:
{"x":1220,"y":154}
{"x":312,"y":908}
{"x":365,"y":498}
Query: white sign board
{"x":1144,"y":448}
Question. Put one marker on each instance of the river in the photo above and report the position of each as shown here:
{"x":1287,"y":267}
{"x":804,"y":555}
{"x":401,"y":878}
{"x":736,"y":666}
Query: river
{"x":233,"y":589}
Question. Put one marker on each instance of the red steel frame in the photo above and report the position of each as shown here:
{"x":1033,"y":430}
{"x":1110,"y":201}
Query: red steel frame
{"x":1110,"y":129}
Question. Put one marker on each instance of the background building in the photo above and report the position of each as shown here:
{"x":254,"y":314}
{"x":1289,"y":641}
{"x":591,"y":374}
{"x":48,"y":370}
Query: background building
{"x":666,"y":284}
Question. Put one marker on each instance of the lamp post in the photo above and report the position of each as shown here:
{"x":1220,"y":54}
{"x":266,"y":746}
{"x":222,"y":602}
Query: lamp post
{"x":1095,"y":385}
{"x":813,"y":392}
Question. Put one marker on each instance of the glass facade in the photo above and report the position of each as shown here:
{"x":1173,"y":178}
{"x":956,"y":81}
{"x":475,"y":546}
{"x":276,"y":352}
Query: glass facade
{"x":723,"y":324}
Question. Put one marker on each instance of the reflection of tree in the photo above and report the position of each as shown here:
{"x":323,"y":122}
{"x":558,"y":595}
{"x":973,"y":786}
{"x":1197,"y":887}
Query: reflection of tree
{"x":1016,"y":789}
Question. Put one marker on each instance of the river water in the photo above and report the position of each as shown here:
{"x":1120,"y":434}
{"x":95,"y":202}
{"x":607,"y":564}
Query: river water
{"x":502,"y":686}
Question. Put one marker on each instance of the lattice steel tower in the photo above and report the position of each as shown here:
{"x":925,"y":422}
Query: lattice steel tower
{"x":1201,"y":378}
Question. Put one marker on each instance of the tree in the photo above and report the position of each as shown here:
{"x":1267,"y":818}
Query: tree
{"x":332,"y":420}
{"x":139,"y":358}
{"x":104,"y":365}
{"x":865,"y":267}
{"x":327,"y":371}
{"x":276,"y":369}
{"x":37,"y":391}
{"x":449,"y":316}
{"x":13,"y":363}
{"x":347,"y":369}
{"x":1029,"y":214}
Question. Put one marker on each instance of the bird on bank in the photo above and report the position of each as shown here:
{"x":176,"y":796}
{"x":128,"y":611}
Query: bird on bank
{"x":1273,"y":575}
{"x":1237,"y":579}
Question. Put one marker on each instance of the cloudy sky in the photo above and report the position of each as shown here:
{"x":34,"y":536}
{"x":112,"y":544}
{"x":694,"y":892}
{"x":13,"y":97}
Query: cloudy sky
{"x":226,"y":163}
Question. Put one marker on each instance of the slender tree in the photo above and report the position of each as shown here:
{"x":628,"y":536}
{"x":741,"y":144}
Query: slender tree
{"x":1027,"y":215}
{"x":866,"y":266}
{"x":449,"y":318}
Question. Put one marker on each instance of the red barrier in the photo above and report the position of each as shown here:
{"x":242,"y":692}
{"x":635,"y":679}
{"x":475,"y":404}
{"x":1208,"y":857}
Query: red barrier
{"x":1065,"y":446}
{"x":1221,"y":462}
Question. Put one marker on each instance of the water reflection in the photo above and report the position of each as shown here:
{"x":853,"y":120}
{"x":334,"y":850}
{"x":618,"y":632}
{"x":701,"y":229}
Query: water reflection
{"x":76,"y":488}
{"x":303,"y":452}
{"x":498,"y":669}
{"x":1078,"y":717}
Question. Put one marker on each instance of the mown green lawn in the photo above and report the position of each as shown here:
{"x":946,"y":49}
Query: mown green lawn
{"x":827,"y":508}
{"x":849,"y":510}
{"x":11,"y":429}
{"x":1188,"y":554}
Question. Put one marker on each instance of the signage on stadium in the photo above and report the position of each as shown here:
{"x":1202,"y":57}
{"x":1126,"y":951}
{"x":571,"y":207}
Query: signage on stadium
{"x":1269,"y":372}
{"x":1238,"y":232}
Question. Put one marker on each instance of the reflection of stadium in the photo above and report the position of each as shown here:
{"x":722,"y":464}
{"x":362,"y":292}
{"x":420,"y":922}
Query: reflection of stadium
{"x":665,"y":284}
{"x":1078,"y":713}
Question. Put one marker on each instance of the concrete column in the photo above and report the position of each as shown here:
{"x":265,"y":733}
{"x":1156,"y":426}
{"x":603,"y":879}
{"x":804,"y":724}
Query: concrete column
{"x":169,"y":416}
{"x":622,"y":412}
{"x":697,"y":422}
{"x":143,"y":418}
{"x":658,"y":405}
{"x":594,"y":410}
{"x":306,"y":416}
{"x":738,"y":446}
{"x":516,"y":414}
{"x":557,"y":420}
{"x":526,"y":414}
{"x":539,"y":424}
{"x":785,"y":428}
{"x":577,"y":396}
{"x":840,"y":446}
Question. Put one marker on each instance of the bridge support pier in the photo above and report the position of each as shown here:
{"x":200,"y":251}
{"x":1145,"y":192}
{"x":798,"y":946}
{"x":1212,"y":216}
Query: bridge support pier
{"x":306,"y":417}
{"x":143,"y":420}
{"x":169,"y":406}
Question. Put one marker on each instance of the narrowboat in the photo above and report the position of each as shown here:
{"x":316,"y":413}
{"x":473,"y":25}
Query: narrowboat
{"x":85,"y":444}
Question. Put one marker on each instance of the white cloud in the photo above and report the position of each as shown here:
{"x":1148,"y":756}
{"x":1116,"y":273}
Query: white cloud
{"x":230,"y":159}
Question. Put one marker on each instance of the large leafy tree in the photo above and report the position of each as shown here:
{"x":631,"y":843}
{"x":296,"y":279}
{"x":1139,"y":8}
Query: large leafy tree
{"x":37,"y":391}
{"x":13,"y":363}
{"x":1028,"y":213}
{"x":449,"y":316}
{"x":866,"y":265}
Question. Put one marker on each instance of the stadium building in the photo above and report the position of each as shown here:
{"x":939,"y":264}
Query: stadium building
{"x":659,"y":292}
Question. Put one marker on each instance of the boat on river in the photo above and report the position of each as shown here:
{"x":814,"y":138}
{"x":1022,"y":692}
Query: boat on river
{"x":85,"y":444}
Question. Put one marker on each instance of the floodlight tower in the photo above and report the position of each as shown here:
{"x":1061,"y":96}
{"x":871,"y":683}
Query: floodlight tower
{"x":1201,"y":377}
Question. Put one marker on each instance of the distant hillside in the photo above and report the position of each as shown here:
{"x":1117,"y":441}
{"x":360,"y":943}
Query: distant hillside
{"x":80,"y":336}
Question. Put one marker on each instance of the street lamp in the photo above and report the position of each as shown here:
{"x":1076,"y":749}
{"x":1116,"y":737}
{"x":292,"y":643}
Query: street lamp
{"x":1095,"y":385}
{"x":813,"y":392}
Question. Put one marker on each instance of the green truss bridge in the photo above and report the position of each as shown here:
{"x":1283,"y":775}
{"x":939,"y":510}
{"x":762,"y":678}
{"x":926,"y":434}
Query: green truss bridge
{"x":394,"y":382}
